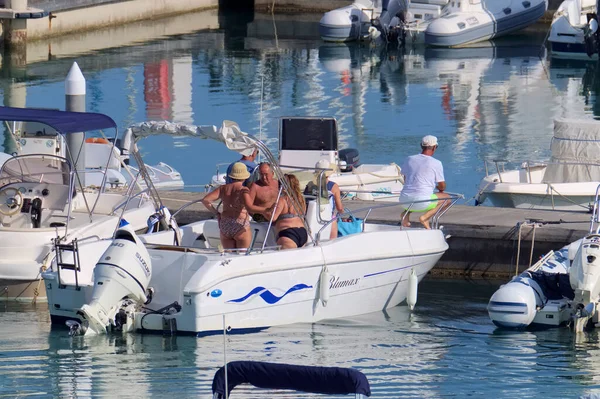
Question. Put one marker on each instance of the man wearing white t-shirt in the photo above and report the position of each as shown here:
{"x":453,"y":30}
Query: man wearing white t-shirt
{"x":422,"y":175}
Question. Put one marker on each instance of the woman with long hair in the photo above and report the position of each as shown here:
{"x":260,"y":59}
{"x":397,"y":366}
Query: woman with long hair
{"x":234,"y":220}
{"x":289,"y":220}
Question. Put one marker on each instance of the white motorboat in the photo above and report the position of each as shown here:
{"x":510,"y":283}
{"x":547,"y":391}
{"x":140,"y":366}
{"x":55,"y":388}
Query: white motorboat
{"x":304,"y":141}
{"x":562,"y":288}
{"x":570,"y":33}
{"x":42,"y":199}
{"x":101,"y":153}
{"x":567,"y":182}
{"x":181,"y":279}
{"x":433,"y":22}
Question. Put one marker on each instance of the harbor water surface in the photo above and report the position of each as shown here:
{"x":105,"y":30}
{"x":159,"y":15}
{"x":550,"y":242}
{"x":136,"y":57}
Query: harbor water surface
{"x":494,"y":101}
{"x":447,"y":348}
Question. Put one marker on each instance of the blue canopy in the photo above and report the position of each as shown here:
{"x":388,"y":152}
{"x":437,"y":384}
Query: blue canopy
{"x":62,"y":121}
{"x":314,"y":379}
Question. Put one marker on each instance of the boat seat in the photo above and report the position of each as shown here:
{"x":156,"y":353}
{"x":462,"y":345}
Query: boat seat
{"x":98,"y":154}
{"x":312,"y":221}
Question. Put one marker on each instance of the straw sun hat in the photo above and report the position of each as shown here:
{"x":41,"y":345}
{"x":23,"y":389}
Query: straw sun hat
{"x":239,"y":171}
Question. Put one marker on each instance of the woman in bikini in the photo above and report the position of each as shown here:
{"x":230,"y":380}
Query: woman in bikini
{"x":234,"y":221}
{"x":289,"y":221}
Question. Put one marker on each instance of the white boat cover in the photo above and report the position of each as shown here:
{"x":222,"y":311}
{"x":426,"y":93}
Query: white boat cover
{"x":575,"y":152}
{"x":229,"y":133}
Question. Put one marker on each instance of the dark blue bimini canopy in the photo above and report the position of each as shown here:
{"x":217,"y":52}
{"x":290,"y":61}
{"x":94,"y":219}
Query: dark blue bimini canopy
{"x":325,"y":380}
{"x":62,"y":121}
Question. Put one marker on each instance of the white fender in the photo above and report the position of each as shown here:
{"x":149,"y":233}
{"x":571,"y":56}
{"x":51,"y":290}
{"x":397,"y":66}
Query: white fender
{"x":324,"y":286}
{"x":413,"y":284}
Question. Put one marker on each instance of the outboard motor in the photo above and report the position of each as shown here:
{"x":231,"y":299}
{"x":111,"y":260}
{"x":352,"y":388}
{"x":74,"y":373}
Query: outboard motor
{"x":392,"y":19}
{"x":350,"y":157}
{"x":123,"y":271}
{"x":125,"y":144}
{"x":585,"y":281}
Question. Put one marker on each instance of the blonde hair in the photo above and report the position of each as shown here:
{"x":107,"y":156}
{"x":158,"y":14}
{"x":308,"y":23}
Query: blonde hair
{"x":297,"y":192}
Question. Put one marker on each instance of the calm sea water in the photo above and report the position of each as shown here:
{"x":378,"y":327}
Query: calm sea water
{"x":493,"y":101}
{"x":447,"y":348}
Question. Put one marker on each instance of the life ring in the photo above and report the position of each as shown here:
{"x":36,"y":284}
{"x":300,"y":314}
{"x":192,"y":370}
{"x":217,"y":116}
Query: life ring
{"x":97,"y":140}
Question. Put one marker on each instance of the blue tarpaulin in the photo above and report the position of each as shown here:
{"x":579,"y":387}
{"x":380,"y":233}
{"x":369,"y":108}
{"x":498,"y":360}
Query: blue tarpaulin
{"x":62,"y":121}
{"x":314,"y":379}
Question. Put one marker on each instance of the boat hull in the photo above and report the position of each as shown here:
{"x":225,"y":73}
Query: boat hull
{"x":522,"y":188}
{"x":566,"y":36}
{"x":275,"y":288}
{"x":347,"y":24}
{"x":447,"y":32}
{"x":540,"y":201}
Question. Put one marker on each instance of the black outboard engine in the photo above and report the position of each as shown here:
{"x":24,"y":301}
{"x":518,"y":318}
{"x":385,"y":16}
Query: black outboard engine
{"x":591,"y":35}
{"x":392,"y":20}
{"x":350,"y":156}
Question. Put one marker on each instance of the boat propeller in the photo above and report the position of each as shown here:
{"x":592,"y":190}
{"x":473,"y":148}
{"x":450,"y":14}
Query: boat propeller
{"x":583,"y":315}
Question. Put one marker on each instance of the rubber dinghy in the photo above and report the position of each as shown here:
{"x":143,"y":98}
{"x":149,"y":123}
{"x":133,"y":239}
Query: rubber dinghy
{"x":473,"y":21}
{"x":539,"y":295}
{"x":563,"y":287}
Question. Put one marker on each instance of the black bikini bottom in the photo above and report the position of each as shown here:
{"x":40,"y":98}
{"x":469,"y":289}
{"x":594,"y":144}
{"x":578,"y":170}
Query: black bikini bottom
{"x":296,"y":234}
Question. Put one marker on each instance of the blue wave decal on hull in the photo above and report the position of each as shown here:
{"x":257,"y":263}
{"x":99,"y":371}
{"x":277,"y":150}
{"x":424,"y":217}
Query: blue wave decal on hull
{"x":268,"y":296}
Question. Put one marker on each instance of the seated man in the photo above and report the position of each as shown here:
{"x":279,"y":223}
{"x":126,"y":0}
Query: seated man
{"x":262,"y":194}
{"x":422,"y":174}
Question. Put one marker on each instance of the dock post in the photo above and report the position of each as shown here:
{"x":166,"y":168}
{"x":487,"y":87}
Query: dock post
{"x":15,"y":36}
{"x":75,"y":101}
{"x":15,"y":30}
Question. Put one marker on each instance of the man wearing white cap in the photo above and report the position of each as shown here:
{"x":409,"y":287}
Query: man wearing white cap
{"x":422,"y":175}
{"x":248,"y":157}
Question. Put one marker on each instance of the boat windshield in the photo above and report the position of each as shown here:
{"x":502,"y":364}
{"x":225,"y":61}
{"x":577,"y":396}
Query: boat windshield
{"x":35,"y":169}
{"x":308,"y":134}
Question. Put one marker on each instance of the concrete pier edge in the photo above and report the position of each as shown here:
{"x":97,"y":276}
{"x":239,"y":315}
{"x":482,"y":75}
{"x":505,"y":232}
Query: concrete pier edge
{"x":65,"y":17}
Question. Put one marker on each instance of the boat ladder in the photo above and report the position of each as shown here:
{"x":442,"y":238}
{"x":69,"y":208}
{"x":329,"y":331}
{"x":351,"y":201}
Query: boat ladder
{"x":59,"y":250}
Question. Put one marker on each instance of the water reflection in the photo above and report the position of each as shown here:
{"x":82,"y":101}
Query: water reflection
{"x":483,"y":102}
{"x":446,"y":348}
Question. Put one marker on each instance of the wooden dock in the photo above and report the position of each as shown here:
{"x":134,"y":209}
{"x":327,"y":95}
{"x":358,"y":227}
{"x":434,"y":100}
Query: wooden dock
{"x":484,"y":241}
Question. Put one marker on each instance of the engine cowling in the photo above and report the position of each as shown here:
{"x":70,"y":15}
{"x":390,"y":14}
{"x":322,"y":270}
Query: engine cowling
{"x":585,"y":271}
{"x":123,"y":271}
